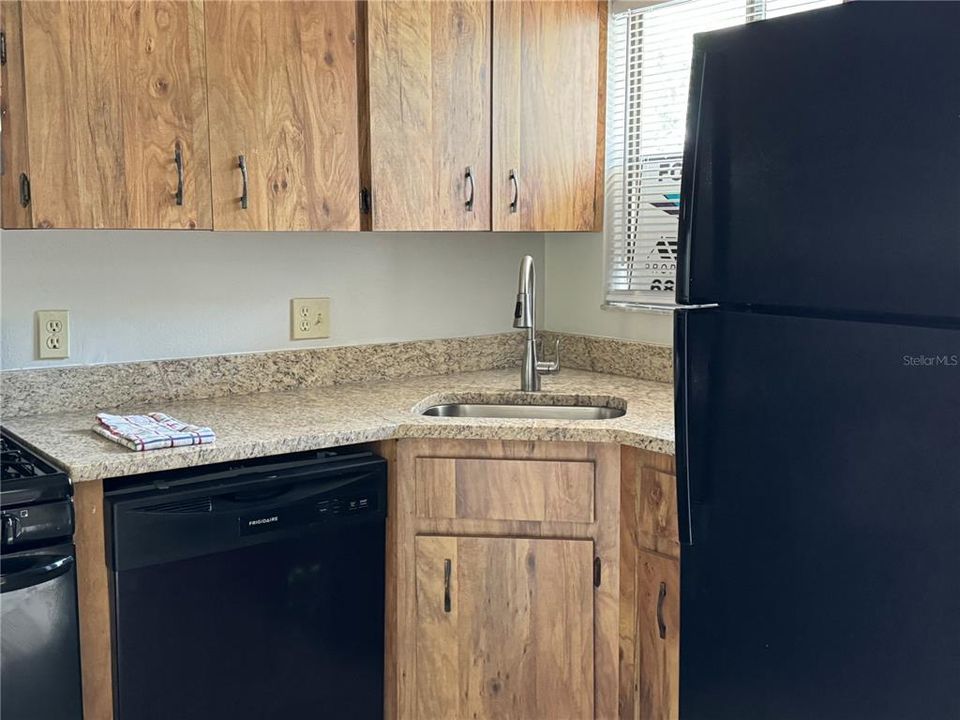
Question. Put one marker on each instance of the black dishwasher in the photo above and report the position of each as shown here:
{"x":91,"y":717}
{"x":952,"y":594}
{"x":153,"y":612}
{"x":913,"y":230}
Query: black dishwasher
{"x":250,"y":590}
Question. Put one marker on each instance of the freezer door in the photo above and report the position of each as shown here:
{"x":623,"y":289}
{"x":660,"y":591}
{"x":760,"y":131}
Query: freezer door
{"x":821,"y":460}
{"x":822,"y":167}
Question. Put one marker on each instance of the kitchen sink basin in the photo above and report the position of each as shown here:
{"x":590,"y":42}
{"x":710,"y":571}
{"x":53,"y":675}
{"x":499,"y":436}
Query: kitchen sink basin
{"x":535,"y":412}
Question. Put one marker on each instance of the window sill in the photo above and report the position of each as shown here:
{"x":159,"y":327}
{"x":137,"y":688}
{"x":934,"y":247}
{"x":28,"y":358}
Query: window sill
{"x":656,"y":308}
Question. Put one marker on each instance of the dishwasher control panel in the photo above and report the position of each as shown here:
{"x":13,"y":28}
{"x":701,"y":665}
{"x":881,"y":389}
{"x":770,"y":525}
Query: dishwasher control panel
{"x":168,"y":516}
{"x":305,"y":514}
{"x":338,"y":506}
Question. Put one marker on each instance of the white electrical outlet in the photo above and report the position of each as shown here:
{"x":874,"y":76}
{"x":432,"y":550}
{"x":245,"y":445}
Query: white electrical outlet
{"x":309,"y":318}
{"x":53,"y":334}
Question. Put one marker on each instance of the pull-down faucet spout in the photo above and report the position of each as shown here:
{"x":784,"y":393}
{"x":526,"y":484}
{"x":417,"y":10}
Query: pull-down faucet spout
{"x":525,"y":317}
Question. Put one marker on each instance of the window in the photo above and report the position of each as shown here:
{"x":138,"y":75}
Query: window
{"x":650,"y":47}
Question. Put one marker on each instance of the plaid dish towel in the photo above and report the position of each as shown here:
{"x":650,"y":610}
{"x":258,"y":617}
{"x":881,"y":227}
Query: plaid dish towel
{"x":151,"y":431}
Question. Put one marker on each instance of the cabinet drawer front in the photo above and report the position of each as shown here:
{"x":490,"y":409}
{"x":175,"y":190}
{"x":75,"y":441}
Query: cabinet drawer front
{"x":532,"y":490}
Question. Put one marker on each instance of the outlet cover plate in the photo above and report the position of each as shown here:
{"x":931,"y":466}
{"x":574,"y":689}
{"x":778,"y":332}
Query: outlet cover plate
{"x":53,"y":334}
{"x":309,"y":318}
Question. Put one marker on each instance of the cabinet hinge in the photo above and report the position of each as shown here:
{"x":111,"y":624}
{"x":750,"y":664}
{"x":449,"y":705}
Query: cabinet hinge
{"x":596,"y":572}
{"x":3,"y":48}
{"x":364,"y":201}
{"x":24,"y":190}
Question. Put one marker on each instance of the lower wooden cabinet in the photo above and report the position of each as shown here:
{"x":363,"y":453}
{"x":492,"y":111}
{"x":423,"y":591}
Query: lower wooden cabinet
{"x":503,"y":587}
{"x":505,"y":628}
{"x":649,"y":587}
{"x":658,"y":637}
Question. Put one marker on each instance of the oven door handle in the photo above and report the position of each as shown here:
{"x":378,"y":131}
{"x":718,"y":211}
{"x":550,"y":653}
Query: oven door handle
{"x":44,"y":569}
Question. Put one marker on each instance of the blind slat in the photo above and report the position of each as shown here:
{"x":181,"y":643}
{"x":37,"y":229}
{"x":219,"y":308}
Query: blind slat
{"x":647,"y":76}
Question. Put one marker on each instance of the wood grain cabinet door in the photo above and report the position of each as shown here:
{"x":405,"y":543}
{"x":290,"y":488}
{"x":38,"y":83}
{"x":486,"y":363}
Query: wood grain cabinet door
{"x":649,"y":587}
{"x":505,"y":628}
{"x":13,"y":121}
{"x":429,"y":105}
{"x":547,"y":114}
{"x":116,"y":114}
{"x":658,"y":637}
{"x":283,"y":95}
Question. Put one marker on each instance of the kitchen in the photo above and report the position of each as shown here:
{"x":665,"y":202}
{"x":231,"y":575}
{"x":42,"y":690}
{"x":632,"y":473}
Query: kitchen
{"x":396,"y":359}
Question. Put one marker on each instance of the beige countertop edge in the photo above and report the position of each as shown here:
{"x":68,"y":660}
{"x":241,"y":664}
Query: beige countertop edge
{"x":274,"y":423}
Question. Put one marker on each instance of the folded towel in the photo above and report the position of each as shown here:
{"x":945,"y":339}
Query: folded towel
{"x":151,"y":431}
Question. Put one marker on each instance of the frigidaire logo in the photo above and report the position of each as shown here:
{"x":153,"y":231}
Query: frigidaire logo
{"x":931,"y":360}
{"x":264,"y":520}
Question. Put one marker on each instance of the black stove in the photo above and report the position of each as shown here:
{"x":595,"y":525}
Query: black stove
{"x":15,"y":463}
{"x":26,"y":478}
{"x":38,"y":583}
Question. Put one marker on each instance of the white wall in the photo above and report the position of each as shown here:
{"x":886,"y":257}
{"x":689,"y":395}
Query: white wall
{"x":574,"y":290}
{"x":151,"y":295}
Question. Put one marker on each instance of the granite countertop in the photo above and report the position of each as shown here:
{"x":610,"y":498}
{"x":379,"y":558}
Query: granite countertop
{"x":269,"y":423}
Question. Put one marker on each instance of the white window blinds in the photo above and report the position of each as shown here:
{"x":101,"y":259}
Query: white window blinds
{"x":649,"y":54}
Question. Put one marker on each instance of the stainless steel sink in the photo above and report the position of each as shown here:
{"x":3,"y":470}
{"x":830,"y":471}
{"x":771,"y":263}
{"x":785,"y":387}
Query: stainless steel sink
{"x":536,"y":412}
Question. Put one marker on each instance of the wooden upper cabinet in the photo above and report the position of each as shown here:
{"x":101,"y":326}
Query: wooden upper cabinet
{"x":429,"y":113}
{"x":455,"y":114}
{"x":13,"y":118}
{"x":116,"y":114}
{"x":548,"y":94}
{"x":504,"y":628}
{"x":283,"y":95}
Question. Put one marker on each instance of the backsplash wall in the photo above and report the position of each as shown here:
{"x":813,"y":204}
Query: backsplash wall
{"x":139,"y":295}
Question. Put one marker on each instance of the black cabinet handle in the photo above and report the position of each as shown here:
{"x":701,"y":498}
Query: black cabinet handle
{"x":446,"y":585}
{"x":468,"y":177}
{"x":516,"y":191}
{"x":242,"y":164}
{"x":178,"y":158}
{"x":661,"y":626}
{"x":24,"y":190}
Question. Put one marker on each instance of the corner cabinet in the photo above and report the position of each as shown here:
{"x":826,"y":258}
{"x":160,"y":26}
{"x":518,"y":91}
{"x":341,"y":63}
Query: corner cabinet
{"x":284,"y":146}
{"x":548,"y":112}
{"x":504,"y":589}
{"x":649,"y":587}
{"x":114,"y":115}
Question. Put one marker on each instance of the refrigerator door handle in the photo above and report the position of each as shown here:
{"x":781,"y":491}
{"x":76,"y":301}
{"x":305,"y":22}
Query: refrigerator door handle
{"x":681,"y":401}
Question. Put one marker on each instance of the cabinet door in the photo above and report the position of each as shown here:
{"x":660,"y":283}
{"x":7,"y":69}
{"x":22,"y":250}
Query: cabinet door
{"x":117,"y":114}
{"x":648,"y":496}
{"x":505,"y":628}
{"x":429,"y":83}
{"x":658,"y":637}
{"x":13,"y":121}
{"x":283,"y":95}
{"x":547,"y":122}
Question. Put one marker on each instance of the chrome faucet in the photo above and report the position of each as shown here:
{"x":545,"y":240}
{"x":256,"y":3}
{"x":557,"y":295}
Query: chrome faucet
{"x":525,"y":316}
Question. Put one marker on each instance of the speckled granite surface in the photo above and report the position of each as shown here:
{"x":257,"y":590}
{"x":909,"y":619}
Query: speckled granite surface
{"x":612,"y":355}
{"x":30,"y":392}
{"x":268,"y":423}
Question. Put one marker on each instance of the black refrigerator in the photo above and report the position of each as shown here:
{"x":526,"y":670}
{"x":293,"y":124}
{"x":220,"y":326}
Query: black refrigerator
{"x":818,"y":368}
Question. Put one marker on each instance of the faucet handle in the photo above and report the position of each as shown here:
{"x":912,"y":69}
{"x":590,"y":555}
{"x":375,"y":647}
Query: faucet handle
{"x":546,"y":368}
